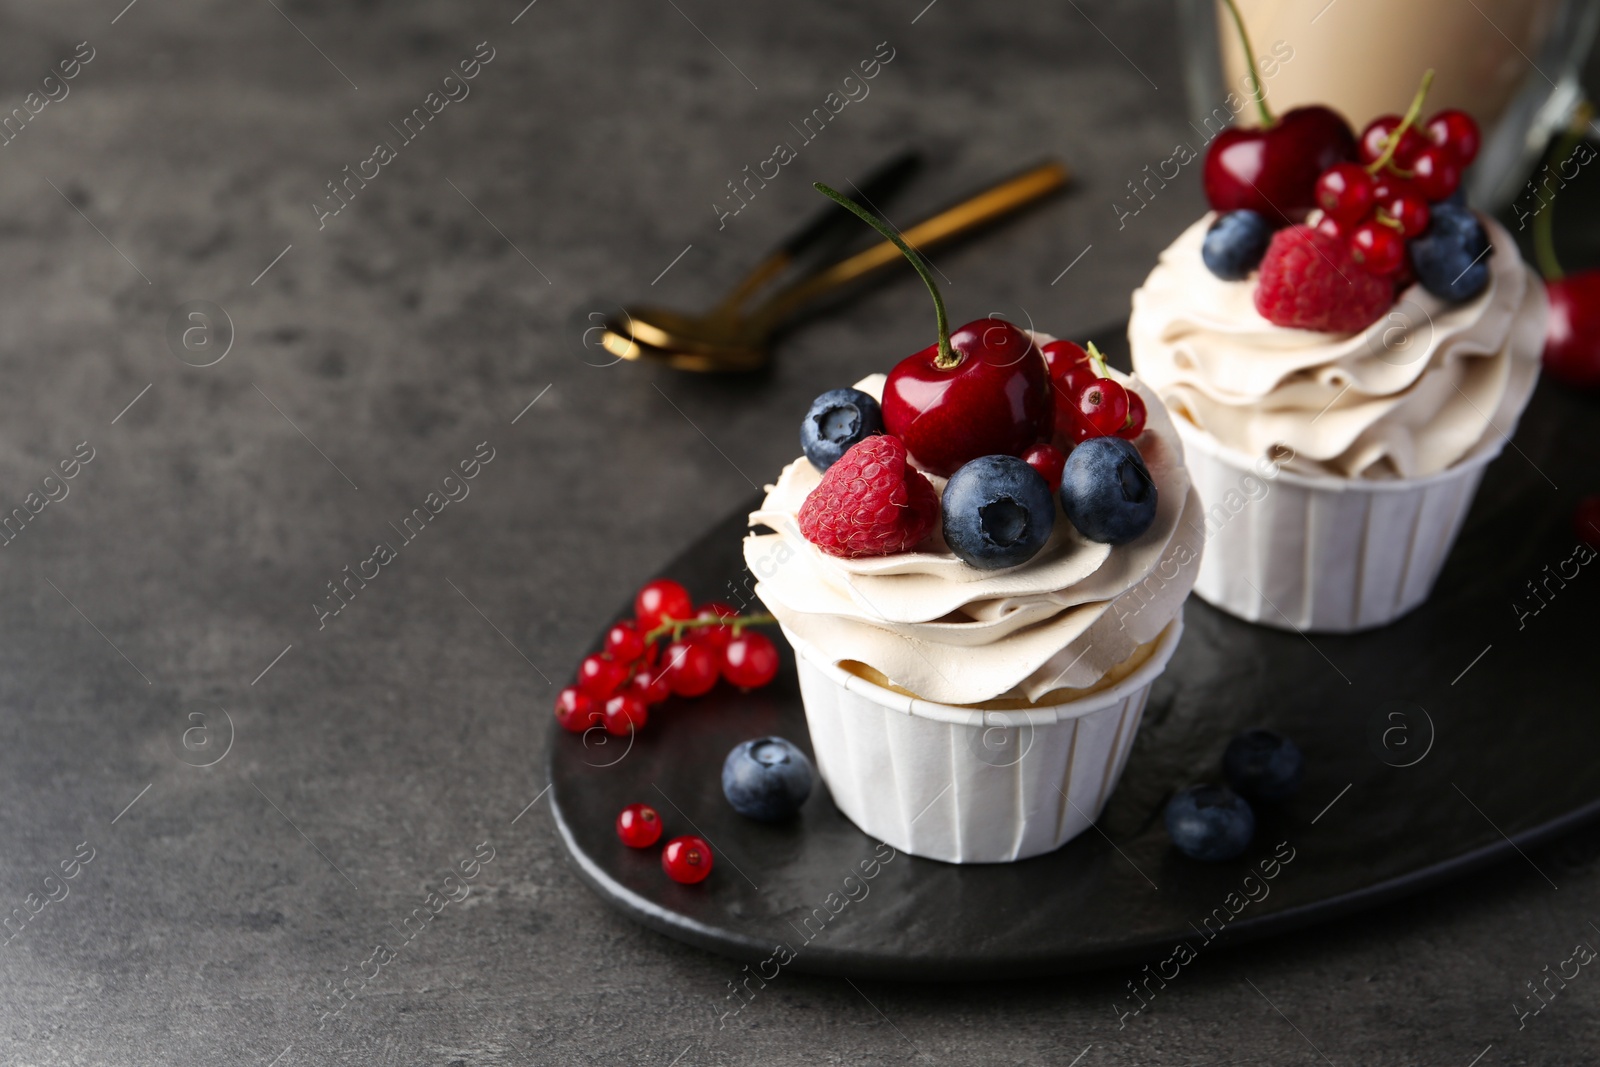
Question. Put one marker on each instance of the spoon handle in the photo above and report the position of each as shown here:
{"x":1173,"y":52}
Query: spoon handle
{"x":988,"y":206}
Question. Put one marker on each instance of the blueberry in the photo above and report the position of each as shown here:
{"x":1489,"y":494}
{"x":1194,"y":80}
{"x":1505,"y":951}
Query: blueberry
{"x":1210,"y":822}
{"x":1263,"y":765}
{"x":1449,"y":257}
{"x":998,"y":512}
{"x":838,"y":419}
{"x":1235,"y":244}
{"x":766,"y":779}
{"x":1107,"y":491}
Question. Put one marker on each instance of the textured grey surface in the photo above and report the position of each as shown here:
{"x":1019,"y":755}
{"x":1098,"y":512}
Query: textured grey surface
{"x":379,"y":750}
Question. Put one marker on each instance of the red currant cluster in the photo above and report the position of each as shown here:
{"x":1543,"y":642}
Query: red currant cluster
{"x":1088,"y":402}
{"x":617,"y":686}
{"x":685,"y":859}
{"x":1378,"y":204}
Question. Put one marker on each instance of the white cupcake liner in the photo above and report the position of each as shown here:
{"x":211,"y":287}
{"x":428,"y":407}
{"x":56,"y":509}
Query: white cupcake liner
{"x":1323,"y":553}
{"x":965,"y":785}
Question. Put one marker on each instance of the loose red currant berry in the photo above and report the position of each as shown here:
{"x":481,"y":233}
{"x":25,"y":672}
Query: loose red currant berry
{"x":1136,"y":417}
{"x":639,"y":826}
{"x":1344,"y":191}
{"x":624,"y":714}
{"x":1062,"y":356}
{"x":624,"y":644}
{"x":691,"y":668}
{"x":575,"y":710}
{"x":650,"y":685}
{"x":599,"y":676}
{"x":750,"y":661}
{"x":687,"y":859}
{"x":1375,"y":139}
{"x":659,"y":600}
{"x":715,"y":636}
{"x":1411,"y":212}
{"x":1104,"y":405}
{"x":1586,"y":520}
{"x":1435,"y":173}
{"x":1456,"y":132}
{"x":1048,"y":460}
{"x":1377,"y":248}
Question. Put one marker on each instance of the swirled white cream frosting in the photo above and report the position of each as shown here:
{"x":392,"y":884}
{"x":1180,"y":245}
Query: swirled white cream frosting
{"x":954,"y":634}
{"x":1413,"y":393}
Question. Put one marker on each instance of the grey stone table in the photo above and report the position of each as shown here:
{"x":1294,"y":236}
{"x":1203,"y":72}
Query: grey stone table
{"x":250,"y":790}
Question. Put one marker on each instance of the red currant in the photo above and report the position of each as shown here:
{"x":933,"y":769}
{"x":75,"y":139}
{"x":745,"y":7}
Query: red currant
{"x":575,"y":710}
{"x":1344,"y":191}
{"x":1375,"y":139}
{"x":624,"y":714}
{"x":1377,"y":248}
{"x":1136,"y":417}
{"x":659,"y":600}
{"x":1048,"y":460}
{"x":1329,"y":225}
{"x":1411,"y":212}
{"x":599,"y":676}
{"x":1104,"y":405}
{"x":1388,"y":186}
{"x":691,"y":667}
{"x":1456,"y":132}
{"x":715,"y":636}
{"x":624,"y":644}
{"x":639,"y":826}
{"x":1435,"y":172}
{"x":1062,"y":356}
{"x":750,"y":660}
{"x":1586,"y":520}
{"x":650,"y":685}
{"x":687,"y":859}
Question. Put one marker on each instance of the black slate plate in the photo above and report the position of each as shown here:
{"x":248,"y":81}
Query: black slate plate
{"x":1435,"y":746}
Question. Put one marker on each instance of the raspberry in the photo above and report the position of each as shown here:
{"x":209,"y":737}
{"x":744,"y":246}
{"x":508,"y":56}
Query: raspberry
{"x":870,"y":502}
{"x":1308,"y":281}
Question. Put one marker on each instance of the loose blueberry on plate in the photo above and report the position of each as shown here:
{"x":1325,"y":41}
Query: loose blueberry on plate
{"x":1263,"y":765}
{"x":1210,"y":822}
{"x":766,"y":779}
{"x":1107,"y":491}
{"x":687,"y":859}
{"x":1235,"y":243}
{"x":997,"y":511}
{"x":1450,"y":259}
{"x":838,"y":419}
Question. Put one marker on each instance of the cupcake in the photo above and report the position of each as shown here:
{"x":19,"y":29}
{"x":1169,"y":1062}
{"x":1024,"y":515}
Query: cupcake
{"x":1340,"y":383}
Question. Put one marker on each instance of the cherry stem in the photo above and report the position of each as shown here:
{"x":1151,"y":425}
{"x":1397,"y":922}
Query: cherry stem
{"x":947,"y":356}
{"x":1258,"y":92}
{"x":1097,"y":360}
{"x":1393,"y":143}
{"x":675,"y":627}
{"x":1544,"y":245}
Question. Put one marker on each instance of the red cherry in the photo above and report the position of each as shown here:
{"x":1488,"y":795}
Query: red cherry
{"x":1104,"y":405}
{"x":1049,"y":461}
{"x":750,"y":661}
{"x":691,"y":668}
{"x":659,"y":600}
{"x":624,"y":714}
{"x":687,"y":859}
{"x":1411,"y":212}
{"x":1344,"y":191}
{"x":1572,"y":331}
{"x":1586,"y":520}
{"x":1375,"y":139}
{"x":1456,"y":132}
{"x":1274,"y":171}
{"x":994,"y":401}
{"x":599,"y":676}
{"x":716,"y":636}
{"x":1435,"y":172}
{"x":650,"y":685}
{"x":1377,"y":248}
{"x":575,"y":710}
{"x":639,"y":826}
{"x":623,"y":643}
{"x":1136,"y":417}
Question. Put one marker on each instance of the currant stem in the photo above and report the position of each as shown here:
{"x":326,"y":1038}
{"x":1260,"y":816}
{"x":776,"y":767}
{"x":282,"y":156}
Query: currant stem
{"x":675,"y":627}
{"x":947,"y":356}
{"x":1544,"y":245}
{"x":1259,"y":93}
{"x":1097,"y":360}
{"x":1393,"y":143}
